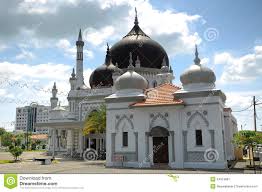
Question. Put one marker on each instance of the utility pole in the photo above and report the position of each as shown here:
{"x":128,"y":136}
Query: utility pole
{"x":255,"y":114}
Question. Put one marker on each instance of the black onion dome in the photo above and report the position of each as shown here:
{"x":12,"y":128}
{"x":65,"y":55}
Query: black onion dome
{"x":150,"y":52}
{"x":102,"y":76}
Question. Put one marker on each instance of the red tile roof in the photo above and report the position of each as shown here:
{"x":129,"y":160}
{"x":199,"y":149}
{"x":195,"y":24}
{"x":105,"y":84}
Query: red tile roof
{"x":161,"y":95}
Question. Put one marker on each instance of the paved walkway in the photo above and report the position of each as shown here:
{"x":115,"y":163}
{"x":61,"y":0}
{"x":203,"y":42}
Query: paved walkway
{"x":72,"y":166}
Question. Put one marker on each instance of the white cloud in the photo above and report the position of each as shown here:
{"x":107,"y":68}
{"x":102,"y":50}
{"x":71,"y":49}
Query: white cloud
{"x":25,"y":55}
{"x":97,"y":37}
{"x":18,"y":71}
{"x":238,"y":69}
{"x":35,"y":82}
{"x":205,"y":61}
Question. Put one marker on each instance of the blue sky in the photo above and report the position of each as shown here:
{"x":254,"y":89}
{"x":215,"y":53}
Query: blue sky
{"x":38,"y":37}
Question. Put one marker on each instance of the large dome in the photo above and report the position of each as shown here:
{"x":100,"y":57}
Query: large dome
{"x":102,"y":76}
{"x":150,"y":52}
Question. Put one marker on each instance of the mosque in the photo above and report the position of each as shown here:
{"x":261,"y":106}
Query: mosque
{"x":150,"y":120}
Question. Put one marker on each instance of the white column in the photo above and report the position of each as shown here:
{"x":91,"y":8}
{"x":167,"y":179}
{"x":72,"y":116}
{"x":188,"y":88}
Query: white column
{"x":54,"y":142}
{"x":80,"y":136}
{"x":69,"y":140}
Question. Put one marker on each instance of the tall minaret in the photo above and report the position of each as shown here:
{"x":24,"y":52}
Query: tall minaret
{"x":54,"y":99}
{"x":79,"y":61}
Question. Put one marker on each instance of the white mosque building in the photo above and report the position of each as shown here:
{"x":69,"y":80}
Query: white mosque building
{"x":150,"y":120}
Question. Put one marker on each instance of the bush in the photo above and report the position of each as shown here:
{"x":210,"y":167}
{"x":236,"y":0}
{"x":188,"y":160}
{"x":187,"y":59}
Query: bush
{"x":33,"y":146}
{"x":44,"y":146}
{"x":16,"y":152}
{"x":23,"y":146}
{"x":10,"y":147}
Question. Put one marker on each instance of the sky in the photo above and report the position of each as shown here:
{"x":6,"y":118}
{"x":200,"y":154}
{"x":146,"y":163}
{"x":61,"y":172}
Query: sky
{"x":37,"y":45}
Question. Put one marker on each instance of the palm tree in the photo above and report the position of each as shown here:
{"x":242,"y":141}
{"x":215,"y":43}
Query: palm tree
{"x":95,"y":122}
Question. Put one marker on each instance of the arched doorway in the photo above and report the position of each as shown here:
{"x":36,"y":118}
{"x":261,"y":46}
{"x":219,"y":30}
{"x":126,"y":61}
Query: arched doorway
{"x":160,"y":144}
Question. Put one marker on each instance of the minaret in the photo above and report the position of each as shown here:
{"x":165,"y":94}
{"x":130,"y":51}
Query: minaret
{"x":54,"y":99}
{"x":79,"y":61}
{"x":72,"y":80}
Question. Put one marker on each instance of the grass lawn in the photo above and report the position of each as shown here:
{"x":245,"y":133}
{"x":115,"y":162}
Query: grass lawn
{"x":6,"y":161}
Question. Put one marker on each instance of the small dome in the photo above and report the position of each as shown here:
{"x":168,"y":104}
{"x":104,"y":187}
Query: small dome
{"x":102,"y":76}
{"x":131,"y":79}
{"x":198,"y":74}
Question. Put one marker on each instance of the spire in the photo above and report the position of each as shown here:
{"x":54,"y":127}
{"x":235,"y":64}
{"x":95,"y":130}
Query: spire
{"x":108,"y":55}
{"x":54,"y":90}
{"x":130,"y":67}
{"x":108,"y":49}
{"x":136,"y":19}
{"x":80,"y":35}
{"x":54,"y":86}
{"x":196,"y":60}
{"x":80,"y":41}
{"x":170,"y":69}
{"x":73,"y":75}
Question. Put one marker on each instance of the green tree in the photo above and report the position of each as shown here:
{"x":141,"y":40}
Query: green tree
{"x":247,"y":138}
{"x":16,"y":152}
{"x":2,"y":132}
{"x":18,"y":139}
{"x":96,"y":121}
{"x":7,"y":139}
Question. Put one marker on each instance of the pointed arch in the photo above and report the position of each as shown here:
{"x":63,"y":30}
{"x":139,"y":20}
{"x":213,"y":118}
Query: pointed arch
{"x":197,"y":114}
{"x":159,"y":119}
{"x":123,"y":118}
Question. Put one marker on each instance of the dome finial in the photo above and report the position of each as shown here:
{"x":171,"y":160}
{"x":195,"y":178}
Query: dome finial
{"x":136,"y":19}
{"x":196,"y":60}
{"x":54,"y":86}
{"x":130,"y":67}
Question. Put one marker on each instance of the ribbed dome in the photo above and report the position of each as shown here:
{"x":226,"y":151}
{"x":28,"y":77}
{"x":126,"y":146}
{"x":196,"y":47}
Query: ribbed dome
{"x":136,"y":41}
{"x":102,"y":76}
{"x":198,"y":74}
{"x":131,"y":80}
